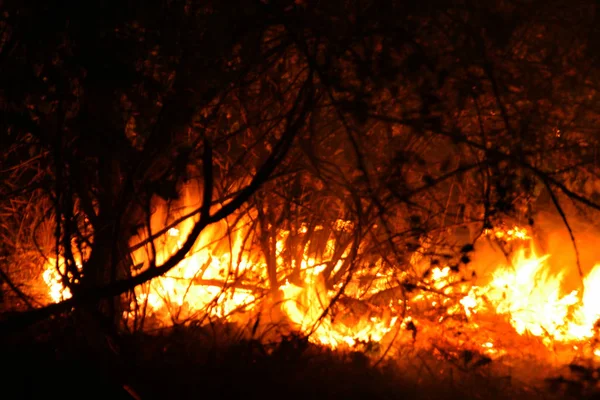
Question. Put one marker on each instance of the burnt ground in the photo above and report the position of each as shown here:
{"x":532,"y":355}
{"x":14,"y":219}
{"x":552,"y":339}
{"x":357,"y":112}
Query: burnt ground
{"x":57,"y":360}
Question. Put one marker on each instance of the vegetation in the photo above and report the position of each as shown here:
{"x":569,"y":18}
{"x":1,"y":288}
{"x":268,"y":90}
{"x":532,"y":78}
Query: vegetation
{"x":186,"y":363}
{"x":421,"y":125}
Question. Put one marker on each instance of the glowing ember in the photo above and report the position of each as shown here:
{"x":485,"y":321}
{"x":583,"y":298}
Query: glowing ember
{"x":514,"y":233}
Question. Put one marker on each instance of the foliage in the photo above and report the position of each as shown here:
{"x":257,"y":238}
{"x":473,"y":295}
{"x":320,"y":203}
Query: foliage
{"x":413,"y":122}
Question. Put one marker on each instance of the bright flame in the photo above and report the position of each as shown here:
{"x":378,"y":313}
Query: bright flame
{"x":52,"y":277}
{"x":306,"y":307}
{"x":207,"y":280}
{"x":225,"y":274}
{"x":533,"y":300}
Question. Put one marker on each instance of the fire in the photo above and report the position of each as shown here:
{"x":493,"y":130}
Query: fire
{"x":306,"y":308}
{"x":52,"y":277}
{"x":533,"y":300}
{"x":225,"y":275}
{"x":208,"y":280}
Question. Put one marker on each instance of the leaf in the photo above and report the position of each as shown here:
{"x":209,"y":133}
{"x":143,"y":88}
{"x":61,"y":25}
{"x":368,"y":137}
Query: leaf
{"x":412,"y":246}
{"x":255,"y":326}
{"x":410,"y":326}
{"x":409,"y":287}
{"x":415,"y":220}
{"x":467,"y":248}
{"x":484,"y":360}
{"x":428,"y":180}
{"x":138,"y":267}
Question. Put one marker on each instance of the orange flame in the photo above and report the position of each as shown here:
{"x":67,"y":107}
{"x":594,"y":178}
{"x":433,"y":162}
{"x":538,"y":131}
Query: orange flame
{"x":207,"y":279}
{"x":223,"y":275}
{"x":533,"y":300}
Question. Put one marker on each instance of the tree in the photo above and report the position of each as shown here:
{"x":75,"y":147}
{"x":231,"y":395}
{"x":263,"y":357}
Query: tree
{"x":407,"y":120}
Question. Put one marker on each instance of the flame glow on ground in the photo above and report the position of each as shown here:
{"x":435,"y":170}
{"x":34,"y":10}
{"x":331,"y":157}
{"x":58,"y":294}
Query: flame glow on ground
{"x":223,"y":277}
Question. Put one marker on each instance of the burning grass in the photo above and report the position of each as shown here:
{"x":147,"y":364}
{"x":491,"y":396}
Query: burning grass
{"x":464,"y":314}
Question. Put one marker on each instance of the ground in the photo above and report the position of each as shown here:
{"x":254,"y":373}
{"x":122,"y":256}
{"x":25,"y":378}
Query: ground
{"x":58,"y":360}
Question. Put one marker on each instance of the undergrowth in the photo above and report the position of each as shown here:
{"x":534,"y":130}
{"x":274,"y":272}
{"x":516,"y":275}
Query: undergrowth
{"x":60,"y":359}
